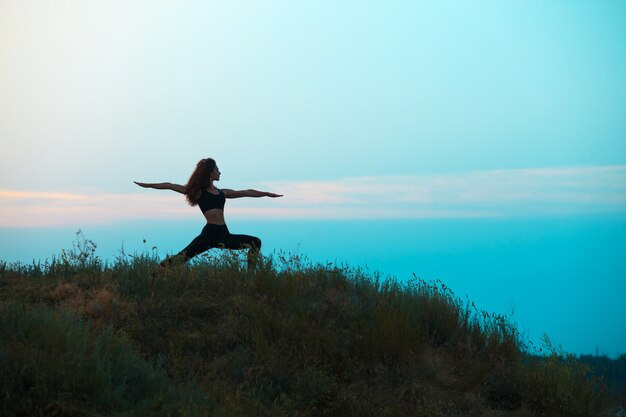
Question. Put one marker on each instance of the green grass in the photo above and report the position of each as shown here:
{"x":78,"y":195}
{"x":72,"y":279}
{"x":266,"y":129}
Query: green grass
{"x":83,"y":337}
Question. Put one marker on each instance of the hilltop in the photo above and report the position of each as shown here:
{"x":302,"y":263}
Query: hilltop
{"x":84,"y":337}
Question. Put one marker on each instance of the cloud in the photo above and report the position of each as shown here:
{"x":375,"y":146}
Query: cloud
{"x":41,"y":209}
{"x":498,"y":193}
{"x":481,"y":193}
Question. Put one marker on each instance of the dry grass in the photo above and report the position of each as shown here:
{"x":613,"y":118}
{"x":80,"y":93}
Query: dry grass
{"x":291,"y":339}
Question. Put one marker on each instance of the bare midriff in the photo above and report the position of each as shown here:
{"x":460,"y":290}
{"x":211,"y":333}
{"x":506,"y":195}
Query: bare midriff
{"x":214,"y":216}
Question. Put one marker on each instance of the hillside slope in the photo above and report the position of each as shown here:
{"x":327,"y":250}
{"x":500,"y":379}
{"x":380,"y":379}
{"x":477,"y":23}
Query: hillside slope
{"x":80,"y":337}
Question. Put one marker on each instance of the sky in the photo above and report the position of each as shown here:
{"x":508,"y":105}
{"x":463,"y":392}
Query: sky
{"x":98,"y":93}
{"x":366,"y":110}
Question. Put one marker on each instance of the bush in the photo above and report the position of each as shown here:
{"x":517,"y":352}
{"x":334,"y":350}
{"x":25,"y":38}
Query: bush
{"x":52,"y":363}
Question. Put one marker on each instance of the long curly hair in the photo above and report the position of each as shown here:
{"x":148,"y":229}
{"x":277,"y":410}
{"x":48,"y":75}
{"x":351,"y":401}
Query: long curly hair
{"x":199,"y":180}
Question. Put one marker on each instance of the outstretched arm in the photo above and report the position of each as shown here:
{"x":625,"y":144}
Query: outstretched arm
{"x":248,"y":193}
{"x":163,"y":186}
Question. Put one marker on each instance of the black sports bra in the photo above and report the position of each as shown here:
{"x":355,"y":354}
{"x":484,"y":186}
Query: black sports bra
{"x":208,"y":201}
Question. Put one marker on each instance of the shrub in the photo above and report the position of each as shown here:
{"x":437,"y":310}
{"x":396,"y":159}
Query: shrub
{"x":51,"y":362}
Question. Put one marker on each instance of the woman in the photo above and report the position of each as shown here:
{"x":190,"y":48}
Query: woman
{"x":201,"y":191}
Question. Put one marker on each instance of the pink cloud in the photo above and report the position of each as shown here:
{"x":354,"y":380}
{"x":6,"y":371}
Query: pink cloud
{"x":501,"y":193}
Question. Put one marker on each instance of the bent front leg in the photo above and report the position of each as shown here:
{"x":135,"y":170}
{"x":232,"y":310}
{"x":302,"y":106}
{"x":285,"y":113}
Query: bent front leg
{"x":252,"y":243}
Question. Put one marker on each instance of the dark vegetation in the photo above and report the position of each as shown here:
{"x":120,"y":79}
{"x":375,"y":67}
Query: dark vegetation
{"x":612,"y":371}
{"x":80,"y":337}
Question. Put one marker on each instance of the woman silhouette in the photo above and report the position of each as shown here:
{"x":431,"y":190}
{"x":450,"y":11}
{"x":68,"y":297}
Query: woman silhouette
{"x":200,"y":191}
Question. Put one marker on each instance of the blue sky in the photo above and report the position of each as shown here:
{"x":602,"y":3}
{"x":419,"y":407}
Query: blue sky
{"x":366,"y":110}
{"x":95,"y":94}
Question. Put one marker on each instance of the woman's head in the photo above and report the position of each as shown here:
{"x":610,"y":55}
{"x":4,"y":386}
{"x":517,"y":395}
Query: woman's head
{"x":206,"y":171}
{"x":205,"y":167}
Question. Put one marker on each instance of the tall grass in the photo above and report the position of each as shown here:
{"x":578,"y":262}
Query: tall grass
{"x":292,"y":338}
{"x":54,"y":363}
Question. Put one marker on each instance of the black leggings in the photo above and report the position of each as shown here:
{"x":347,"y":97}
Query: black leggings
{"x":218,"y":236}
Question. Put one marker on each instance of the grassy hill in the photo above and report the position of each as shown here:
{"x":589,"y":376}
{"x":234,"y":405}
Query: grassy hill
{"x":80,"y":337}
